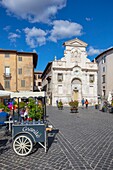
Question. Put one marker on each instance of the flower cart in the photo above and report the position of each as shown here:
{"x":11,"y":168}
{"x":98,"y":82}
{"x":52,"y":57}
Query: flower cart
{"x":25,"y":136}
{"x":73,"y":106}
{"x":26,"y":133}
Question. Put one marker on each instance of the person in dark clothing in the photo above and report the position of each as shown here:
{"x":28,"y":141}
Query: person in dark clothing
{"x":3,"y":117}
{"x":57,"y":103}
{"x":82,"y":101}
{"x":86,"y":103}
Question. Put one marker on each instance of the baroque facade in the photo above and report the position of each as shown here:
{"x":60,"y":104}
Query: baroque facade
{"x":73,"y":77}
{"x":17,"y":70}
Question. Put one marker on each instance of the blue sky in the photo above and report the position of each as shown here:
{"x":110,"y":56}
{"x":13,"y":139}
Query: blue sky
{"x":44,"y":25}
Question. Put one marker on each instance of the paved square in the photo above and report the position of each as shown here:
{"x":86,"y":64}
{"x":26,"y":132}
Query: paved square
{"x":79,"y":141}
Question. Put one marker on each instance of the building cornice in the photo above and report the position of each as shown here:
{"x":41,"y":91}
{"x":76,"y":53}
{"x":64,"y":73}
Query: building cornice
{"x":103,"y":53}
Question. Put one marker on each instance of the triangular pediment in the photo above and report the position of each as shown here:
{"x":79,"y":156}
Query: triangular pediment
{"x":75,"y":43}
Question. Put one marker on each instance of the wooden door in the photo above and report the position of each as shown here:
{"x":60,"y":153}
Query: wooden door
{"x":75,"y":95}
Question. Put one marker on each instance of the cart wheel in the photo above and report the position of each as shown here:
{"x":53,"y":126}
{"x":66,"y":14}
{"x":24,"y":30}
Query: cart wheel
{"x":22,"y":145}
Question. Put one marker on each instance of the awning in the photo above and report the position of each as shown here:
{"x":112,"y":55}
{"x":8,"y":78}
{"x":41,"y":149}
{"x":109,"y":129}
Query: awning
{"x":27,"y":94}
{"x":5,"y":93}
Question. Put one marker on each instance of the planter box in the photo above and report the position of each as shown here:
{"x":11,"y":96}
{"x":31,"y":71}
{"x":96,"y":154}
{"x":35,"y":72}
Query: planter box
{"x":74,"y":110}
{"x":111,"y":110}
{"x":96,"y":106}
{"x":60,"y":107}
{"x":104,"y":109}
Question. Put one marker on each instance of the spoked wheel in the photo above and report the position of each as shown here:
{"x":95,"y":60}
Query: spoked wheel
{"x":22,"y":145}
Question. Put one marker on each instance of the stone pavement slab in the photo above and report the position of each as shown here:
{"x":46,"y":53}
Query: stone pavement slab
{"x":79,"y":141}
{"x":54,"y":159}
{"x":89,"y":133}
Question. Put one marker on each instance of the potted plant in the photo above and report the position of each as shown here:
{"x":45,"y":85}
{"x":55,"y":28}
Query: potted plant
{"x":35,"y":110}
{"x":96,"y":106}
{"x":60,"y":105}
{"x":104,"y":107}
{"x":111,"y":107}
{"x":74,"y":106}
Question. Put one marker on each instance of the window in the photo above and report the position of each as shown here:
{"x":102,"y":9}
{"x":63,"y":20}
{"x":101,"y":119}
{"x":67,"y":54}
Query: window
{"x":91,"y":90}
{"x":60,"y":89}
{"x":103,"y":59}
{"x":60,"y":77}
{"x":103,"y":69}
{"x":20,"y":71}
{"x":19,"y":58}
{"x":7,"y":84}
{"x":91,"y":78}
{"x":7,"y":55}
{"x":104,"y":93}
{"x":39,"y":83}
{"x":22,"y":83}
{"x":39,"y":76}
{"x":103,"y":79}
{"x":7,"y":70}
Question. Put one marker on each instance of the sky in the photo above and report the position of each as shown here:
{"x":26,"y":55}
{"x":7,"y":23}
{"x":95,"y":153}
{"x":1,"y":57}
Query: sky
{"x":42,"y":26}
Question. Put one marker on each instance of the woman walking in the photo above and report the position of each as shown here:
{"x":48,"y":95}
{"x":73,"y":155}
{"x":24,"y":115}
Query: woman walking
{"x":86,"y":103}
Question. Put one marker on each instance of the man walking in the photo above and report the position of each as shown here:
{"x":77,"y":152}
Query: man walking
{"x":83,"y":103}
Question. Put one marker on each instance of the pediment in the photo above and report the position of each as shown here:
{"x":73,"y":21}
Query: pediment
{"x":75,"y":43}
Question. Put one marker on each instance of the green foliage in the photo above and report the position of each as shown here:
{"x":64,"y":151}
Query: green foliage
{"x":60,"y":104}
{"x":73,"y":103}
{"x":21,"y":105}
{"x":112,"y":102}
{"x":35,"y":111}
{"x":2,"y":106}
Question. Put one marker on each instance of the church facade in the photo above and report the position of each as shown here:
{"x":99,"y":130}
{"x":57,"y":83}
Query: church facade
{"x":73,"y":77}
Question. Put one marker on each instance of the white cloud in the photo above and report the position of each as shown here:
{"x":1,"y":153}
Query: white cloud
{"x":64,"y":29}
{"x":35,"y":37}
{"x":13,"y":36}
{"x":17,"y":30}
{"x":92,"y":51}
{"x":34,"y":51}
{"x":7,"y":28}
{"x":34,"y":10}
{"x":88,"y":19}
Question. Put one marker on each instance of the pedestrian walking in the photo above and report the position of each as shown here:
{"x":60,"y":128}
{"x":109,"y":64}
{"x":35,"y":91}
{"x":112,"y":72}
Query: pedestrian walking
{"x":86,"y":103}
{"x":83,"y":101}
{"x":57,"y":103}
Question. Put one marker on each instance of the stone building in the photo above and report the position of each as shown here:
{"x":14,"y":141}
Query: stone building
{"x":38,"y":80}
{"x":17,"y":70}
{"x":105,"y":71}
{"x":73,"y":77}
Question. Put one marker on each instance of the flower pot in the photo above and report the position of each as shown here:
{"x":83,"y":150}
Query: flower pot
{"x":74,"y":109}
{"x":104,"y":109}
{"x":96,"y":106}
{"x":111,"y":110}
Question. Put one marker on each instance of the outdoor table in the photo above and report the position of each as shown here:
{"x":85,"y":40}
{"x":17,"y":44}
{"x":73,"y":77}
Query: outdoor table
{"x":10,"y":122}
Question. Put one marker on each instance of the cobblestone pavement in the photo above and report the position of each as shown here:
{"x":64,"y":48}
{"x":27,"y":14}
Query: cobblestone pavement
{"x":79,"y":141}
{"x":85,"y":137}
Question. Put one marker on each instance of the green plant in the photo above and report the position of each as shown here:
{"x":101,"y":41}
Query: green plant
{"x":35,"y":111}
{"x":2,"y":106}
{"x":112,"y":102}
{"x":60,"y":104}
{"x":73,"y":103}
{"x":21,"y":105}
